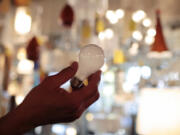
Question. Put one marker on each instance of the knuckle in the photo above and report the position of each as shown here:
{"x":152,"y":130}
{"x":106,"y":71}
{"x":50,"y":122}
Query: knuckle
{"x":47,"y":79}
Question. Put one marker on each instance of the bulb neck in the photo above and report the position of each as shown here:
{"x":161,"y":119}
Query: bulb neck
{"x":76,"y":83}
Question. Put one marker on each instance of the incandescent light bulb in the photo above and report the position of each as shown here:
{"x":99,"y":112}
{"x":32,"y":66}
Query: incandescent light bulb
{"x":91,"y":59}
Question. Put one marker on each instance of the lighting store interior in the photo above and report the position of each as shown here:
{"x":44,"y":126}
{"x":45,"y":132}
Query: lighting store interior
{"x":135,"y":43}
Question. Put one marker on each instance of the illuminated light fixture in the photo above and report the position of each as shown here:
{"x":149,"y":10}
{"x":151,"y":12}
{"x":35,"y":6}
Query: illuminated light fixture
{"x":151,"y":32}
{"x":108,"y":91}
{"x":58,"y":129}
{"x":19,"y":99}
{"x":147,"y":22}
{"x":101,"y":35}
{"x":89,"y":117}
{"x":112,"y":17}
{"x":138,"y":16}
{"x":13,"y":88}
{"x":134,"y":75}
{"x":137,"y":35}
{"x":159,"y":48}
{"x":119,"y":13}
{"x":113,"y":20}
{"x":71,"y":131}
{"x":38,"y":130}
{"x":109,"y":33}
{"x":104,"y":68}
{"x":158,"y":112}
{"x":109,"y":13}
{"x":145,"y":72}
{"x":149,"y":40}
{"x":23,"y":21}
{"x":109,"y":77}
{"x":21,"y":54}
{"x":25,"y":67}
{"x":134,"y":49}
{"x":119,"y":57}
{"x":127,"y":87}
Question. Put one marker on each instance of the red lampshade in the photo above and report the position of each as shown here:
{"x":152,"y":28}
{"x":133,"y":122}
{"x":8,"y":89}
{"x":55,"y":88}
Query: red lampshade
{"x":67,"y":16}
{"x":159,"y":44}
{"x":22,"y":2}
{"x":33,"y":49}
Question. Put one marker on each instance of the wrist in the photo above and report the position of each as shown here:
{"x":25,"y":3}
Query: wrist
{"x":15,"y":122}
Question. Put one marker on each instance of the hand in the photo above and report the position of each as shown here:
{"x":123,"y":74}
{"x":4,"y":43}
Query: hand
{"x":48,"y":103}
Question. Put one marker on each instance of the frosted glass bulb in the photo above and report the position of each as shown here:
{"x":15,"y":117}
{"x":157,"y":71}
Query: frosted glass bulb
{"x":91,"y":59}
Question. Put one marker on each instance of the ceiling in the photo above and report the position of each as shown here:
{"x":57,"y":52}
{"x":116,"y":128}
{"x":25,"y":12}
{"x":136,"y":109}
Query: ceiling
{"x":169,"y":8}
{"x":170,"y":11}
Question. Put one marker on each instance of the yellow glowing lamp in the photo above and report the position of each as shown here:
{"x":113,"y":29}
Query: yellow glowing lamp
{"x":140,"y":63}
{"x":8,"y":52}
{"x":21,"y":54}
{"x":132,"y":25}
{"x":119,"y":57}
{"x":159,"y":112}
{"x":23,"y":21}
{"x":86,"y":30}
{"x":99,"y":24}
{"x":25,"y":67}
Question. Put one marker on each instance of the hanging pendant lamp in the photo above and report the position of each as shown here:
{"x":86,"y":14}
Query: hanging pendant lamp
{"x":159,"y":48}
{"x":33,"y":50}
{"x":67,"y":16}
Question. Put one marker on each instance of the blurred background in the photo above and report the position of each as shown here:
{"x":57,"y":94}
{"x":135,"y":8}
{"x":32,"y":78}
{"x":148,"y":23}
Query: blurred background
{"x":140,"y":87}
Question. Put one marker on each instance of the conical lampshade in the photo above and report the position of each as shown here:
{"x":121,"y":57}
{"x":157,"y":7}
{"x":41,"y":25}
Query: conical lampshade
{"x":159,"y":44}
{"x":159,"y":48}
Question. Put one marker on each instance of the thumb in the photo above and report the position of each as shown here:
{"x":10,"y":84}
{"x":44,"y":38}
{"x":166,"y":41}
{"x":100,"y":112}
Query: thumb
{"x":66,"y":73}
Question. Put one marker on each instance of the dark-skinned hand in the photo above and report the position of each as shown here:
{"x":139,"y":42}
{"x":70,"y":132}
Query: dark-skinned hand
{"x":48,"y":103}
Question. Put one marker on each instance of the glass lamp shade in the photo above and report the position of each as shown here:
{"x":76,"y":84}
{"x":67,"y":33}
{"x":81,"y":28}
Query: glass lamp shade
{"x":159,"y":112}
{"x":4,"y":6}
{"x":67,"y":16}
{"x":159,"y":49}
{"x":33,"y":49}
{"x":22,"y":2}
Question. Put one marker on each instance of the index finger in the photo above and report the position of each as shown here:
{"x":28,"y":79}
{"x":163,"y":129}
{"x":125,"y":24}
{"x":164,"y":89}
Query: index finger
{"x":66,"y":74}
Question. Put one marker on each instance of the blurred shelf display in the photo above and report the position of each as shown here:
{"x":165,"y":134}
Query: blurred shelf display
{"x":39,"y":38}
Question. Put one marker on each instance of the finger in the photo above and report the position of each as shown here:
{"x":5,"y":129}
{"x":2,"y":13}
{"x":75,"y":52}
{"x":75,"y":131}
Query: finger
{"x":66,"y":74}
{"x":94,"y":79}
{"x":91,"y":100}
{"x":86,"y":104}
{"x":90,"y":77}
{"x":64,"y":119}
{"x":88,"y":91}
